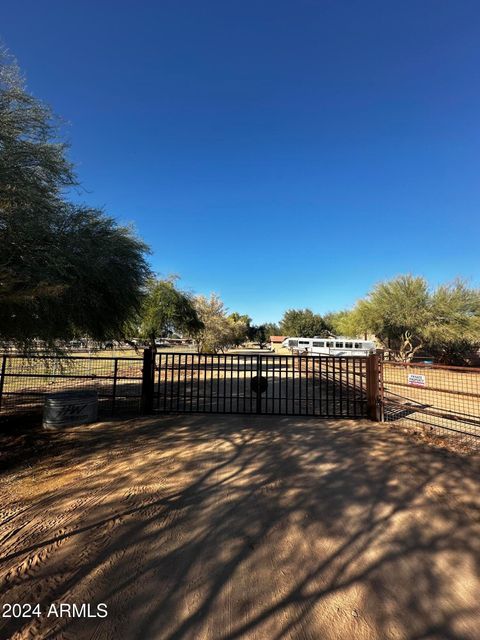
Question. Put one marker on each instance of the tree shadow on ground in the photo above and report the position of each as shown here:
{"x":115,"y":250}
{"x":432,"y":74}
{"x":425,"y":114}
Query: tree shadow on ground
{"x":260,"y":527}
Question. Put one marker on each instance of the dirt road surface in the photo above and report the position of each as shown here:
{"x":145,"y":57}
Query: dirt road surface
{"x":221,"y":527}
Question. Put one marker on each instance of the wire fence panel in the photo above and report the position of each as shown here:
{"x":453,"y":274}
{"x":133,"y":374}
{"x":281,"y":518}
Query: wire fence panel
{"x":25,"y":381}
{"x":267,"y":384}
{"x":440,"y":398}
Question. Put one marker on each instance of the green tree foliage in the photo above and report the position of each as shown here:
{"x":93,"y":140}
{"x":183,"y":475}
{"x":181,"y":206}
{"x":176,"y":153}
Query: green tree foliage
{"x":406,"y":316}
{"x":454,"y":329}
{"x":271,"y":329}
{"x":65,"y":270}
{"x":166,"y":310}
{"x":302,"y":322}
{"x":258,"y":334}
{"x":397,"y":313}
{"x":240,"y":327}
{"x":219,"y":331}
{"x":341,"y":323}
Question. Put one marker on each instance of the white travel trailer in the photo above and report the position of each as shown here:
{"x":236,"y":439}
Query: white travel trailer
{"x":334,"y":346}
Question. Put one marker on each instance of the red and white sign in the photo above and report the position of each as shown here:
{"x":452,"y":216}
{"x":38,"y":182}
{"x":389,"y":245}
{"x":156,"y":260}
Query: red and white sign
{"x":416,"y":380}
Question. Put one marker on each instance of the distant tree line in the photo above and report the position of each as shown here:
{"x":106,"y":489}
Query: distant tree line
{"x":167,"y":310}
{"x":405,"y":316}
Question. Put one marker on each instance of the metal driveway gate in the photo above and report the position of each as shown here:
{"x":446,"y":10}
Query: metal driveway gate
{"x":267,"y":384}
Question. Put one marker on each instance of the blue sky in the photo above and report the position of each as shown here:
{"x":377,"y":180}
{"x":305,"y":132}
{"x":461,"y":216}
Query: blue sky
{"x":282,"y":154}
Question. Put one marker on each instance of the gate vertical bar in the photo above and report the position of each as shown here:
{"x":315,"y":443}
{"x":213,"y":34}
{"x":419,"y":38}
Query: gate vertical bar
{"x":204,"y":382}
{"x":179,"y":378}
{"x":224,"y":383}
{"x":114,"y":391}
{"x":327,"y":390}
{"x":165,"y":388}
{"x":258,"y":408}
{"x":211,"y":372}
{"x":2,"y":378}
{"x":218,"y":381}
{"x":300,"y":378}
{"x":340,"y":384}
{"x":321,"y":363}
{"x":334,"y":385}
{"x":314,"y":405}
{"x":237,"y":386}
{"x":347,"y":363}
{"x":293,"y":385}
{"x":273,"y":379}
{"x":286,"y":382}
{"x":192,"y":386}
{"x":172,"y":382}
{"x":355,"y":386}
{"x":185,"y":370}
{"x":307,"y":365}
{"x":231,"y":384}
{"x":158,"y":393}
{"x":198,"y":382}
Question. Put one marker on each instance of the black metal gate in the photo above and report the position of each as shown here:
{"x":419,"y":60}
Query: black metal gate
{"x":267,"y":384}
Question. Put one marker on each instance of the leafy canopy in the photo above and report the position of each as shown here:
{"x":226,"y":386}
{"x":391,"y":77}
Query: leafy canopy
{"x":271,"y":329}
{"x":258,"y":333}
{"x":339,"y":323}
{"x":302,"y":322}
{"x":407,"y":316}
{"x":241,"y":327}
{"x":219,"y":330}
{"x":166,"y":310}
{"x":65,"y":269}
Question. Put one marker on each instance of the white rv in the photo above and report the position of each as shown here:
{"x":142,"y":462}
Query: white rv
{"x":334,"y":346}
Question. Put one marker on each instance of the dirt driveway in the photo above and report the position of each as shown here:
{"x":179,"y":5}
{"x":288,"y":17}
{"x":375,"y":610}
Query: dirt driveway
{"x":242,"y":527}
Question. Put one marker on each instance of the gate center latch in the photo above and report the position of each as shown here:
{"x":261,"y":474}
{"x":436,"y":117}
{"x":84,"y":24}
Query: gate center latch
{"x":259,"y":384}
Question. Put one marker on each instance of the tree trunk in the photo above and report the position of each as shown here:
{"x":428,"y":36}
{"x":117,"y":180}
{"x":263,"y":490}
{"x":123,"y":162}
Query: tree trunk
{"x":153,"y":345}
{"x":407,"y":350}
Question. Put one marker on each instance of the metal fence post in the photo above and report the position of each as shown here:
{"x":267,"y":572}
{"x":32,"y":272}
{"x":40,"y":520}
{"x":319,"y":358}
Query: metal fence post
{"x":374,"y":408}
{"x":2,"y":378}
{"x":148,"y":373}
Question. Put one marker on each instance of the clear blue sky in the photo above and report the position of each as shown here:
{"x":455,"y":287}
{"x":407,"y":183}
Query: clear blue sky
{"x":283,"y":154}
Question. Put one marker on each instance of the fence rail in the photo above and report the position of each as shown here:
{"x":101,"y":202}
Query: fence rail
{"x":24,"y":381}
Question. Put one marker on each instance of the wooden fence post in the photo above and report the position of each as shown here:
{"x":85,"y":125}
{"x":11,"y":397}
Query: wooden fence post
{"x":374,"y":387}
{"x":148,"y":373}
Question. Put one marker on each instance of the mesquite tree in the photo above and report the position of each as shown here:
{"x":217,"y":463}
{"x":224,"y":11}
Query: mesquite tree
{"x":407,"y":316}
{"x":166,"y":310}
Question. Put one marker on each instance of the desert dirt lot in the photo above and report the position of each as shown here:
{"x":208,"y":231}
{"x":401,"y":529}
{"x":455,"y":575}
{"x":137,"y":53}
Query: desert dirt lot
{"x":222,"y":527}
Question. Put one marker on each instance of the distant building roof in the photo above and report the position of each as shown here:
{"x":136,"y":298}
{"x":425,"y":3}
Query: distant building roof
{"x":277,"y":338}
